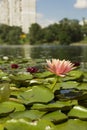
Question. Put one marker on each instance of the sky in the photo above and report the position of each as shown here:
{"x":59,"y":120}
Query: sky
{"x":52,"y":11}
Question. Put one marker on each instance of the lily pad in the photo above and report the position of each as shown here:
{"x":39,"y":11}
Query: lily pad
{"x":21,"y":77}
{"x":78,"y":112}
{"x":55,"y":117}
{"x":1,"y":127}
{"x":22,"y":124}
{"x":63,"y":105}
{"x":30,"y":114}
{"x":44,"y":75}
{"x":21,"y":80}
{"x":8,"y":107}
{"x":72,"y":125}
{"x":2,"y":74}
{"x":36,"y":94}
{"x":4,"y":91}
{"x":74,"y":75}
{"x":69,"y":84}
{"x":82,"y":86}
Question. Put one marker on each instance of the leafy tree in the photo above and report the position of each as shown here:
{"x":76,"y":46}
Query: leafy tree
{"x":35,"y":34}
{"x":4,"y":30}
{"x":76,"y":32}
{"x":48,"y":35}
{"x":14,"y":35}
{"x":84,"y":29}
{"x":64,"y":38}
{"x":51,"y":32}
{"x":71,"y":31}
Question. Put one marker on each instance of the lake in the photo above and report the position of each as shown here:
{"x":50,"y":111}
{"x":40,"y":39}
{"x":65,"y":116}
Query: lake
{"x":73,"y":53}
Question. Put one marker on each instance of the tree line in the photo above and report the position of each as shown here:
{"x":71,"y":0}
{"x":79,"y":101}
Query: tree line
{"x":65,"y":32}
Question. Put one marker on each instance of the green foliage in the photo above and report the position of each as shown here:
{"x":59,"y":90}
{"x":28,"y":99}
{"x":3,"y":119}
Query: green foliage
{"x":64,"y":38}
{"x":84,"y":29}
{"x":4,"y":30}
{"x":10,"y":35}
{"x":65,"y":32}
{"x":14,"y":35}
{"x":28,"y":102}
{"x":51,"y":33}
{"x":35,"y":34}
{"x":70,"y":31}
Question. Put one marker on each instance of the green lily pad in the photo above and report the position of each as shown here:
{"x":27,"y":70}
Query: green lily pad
{"x":78,"y":112}
{"x":82,"y":86}
{"x":36,"y":94}
{"x":8,"y":107}
{"x":44,"y":74}
{"x":21,"y":77}
{"x":74,"y":75}
{"x":4,"y":119}
{"x":31,"y":114}
{"x":72,"y":125}
{"x":63,"y":105}
{"x":55,"y":117}
{"x":4,"y":91}
{"x":2,"y":74}
{"x":22,"y":124}
{"x":1,"y":127}
{"x":69,"y":84}
{"x":21,"y":80}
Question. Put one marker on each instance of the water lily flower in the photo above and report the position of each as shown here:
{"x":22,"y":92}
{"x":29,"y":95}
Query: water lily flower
{"x":76,"y":64}
{"x":14,"y":66}
{"x":59,"y":67}
{"x":5,"y":58}
{"x":32,"y":69}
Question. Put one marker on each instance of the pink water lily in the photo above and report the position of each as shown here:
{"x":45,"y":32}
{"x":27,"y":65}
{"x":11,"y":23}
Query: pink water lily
{"x":59,"y":67}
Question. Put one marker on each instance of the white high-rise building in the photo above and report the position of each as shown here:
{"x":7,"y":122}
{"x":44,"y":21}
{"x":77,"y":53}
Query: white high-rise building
{"x":18,"y":13}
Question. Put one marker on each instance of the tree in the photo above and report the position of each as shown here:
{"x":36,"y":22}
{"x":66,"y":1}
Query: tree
{"x":64,"y":38}
{"x":51,"y":32}
{"x":84,"y":29}
{"x":71,"y":31}
{"x":4,"y":30}
{"x":35,"y":34}
{"x":14,"y":35}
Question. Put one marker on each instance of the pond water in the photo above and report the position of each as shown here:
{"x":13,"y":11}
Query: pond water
{"x":73,"y":53}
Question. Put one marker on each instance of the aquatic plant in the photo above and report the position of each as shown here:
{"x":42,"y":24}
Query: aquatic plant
{"x":59,"y":67}
{"x":28,"y":101}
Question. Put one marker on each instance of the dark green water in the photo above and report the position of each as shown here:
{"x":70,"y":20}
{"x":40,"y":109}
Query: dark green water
{"x":73,"y":53}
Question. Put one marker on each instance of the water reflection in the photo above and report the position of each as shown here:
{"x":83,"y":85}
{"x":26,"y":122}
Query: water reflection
{"x":11,"y":51}
{"x":62,"y":52}
{"x":73,"y":53}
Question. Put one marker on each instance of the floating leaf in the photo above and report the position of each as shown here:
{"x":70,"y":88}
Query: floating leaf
{"x":69,"y":84}
{"x":4,"y":91}
{"x":82,"y":86}
{"x":2,"y":74}
{"x":31,"y":114}
{"x":44,"y":74}
{"x":63,"y":105}
{"x":22,"y":124}
{"x":55,"y":117}
{"x":72,"y":125}
{"x":78,"y":112}
{"x":21,"y":77}
{"x":1,"y":127}
{"x":4,"y":119}
{"x":9,"y":106}
{"x":22,"y":80}
{"x":36,"y":94}
{"x":74,"y":75}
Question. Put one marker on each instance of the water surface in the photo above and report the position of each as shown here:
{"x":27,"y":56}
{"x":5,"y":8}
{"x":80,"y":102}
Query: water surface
{"x":73,"y":53}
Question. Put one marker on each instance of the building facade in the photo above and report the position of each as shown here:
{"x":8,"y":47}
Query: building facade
{"x":18,"y":13}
